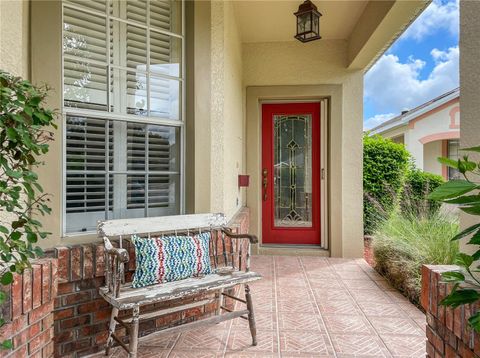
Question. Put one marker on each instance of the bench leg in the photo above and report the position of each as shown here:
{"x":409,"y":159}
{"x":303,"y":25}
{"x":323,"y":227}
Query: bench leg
{"x":134,"y":333}
{"x":251,"y":316}
{"x":111,"y":330}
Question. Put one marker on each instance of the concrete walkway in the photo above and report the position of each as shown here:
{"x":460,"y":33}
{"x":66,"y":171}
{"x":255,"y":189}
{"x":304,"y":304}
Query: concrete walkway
{"x":309,"y":307}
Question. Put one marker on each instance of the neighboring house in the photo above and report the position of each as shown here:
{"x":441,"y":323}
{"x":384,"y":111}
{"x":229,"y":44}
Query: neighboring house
{"x":428,"y":131}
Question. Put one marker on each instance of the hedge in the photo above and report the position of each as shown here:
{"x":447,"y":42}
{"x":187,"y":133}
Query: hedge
{"x":384,"y":168}
{"x":418,"y":184}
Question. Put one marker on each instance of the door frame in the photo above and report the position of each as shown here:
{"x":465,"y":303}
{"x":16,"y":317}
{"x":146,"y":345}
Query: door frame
{"x":324,"y":166}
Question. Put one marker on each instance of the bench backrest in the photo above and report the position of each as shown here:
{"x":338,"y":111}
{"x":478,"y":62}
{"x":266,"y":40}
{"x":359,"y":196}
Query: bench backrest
{"x":162,"y":225}
{"x":224,"y":251}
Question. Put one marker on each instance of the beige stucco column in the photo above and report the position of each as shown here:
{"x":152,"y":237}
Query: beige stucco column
{"x":469,"y":84}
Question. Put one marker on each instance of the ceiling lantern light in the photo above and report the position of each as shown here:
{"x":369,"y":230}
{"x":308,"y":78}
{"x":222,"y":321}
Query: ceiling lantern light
{"x":308,"y":22}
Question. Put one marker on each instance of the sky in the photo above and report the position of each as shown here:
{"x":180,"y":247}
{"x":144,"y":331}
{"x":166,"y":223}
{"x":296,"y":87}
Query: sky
{"x":421,"y":65}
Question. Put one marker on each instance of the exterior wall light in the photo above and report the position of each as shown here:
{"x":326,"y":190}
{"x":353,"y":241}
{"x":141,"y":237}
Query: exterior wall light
{"x":308,"y":22}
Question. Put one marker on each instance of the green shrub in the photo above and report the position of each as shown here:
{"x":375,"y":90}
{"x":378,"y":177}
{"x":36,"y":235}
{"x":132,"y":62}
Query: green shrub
{"x":418,"y":185}
{"x":384,"y":167}
{"x":404,"y":242}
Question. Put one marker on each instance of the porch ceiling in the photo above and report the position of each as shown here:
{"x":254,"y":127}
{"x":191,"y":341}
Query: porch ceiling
{"x":272,"y":21}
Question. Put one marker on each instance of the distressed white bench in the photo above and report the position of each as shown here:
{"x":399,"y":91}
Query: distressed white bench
{"x":229,"y":255}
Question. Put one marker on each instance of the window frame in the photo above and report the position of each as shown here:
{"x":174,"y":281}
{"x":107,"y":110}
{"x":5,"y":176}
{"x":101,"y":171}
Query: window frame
{"x":128,"y":118}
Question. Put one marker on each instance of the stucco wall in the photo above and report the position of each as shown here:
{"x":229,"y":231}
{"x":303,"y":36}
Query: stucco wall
{"x":469,"y":86}
{"x":227,"y":110}
{"x":292,"y":70}
{"x":434,"y":126}
{"x":431,"y":151}
{"x":14,"y":37}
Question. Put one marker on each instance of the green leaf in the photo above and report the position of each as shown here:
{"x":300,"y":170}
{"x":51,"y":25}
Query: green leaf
{"x":3,"y":229}
{"x":464,"y":260}
{"x":471,"y":149}
{"x":466,"y":199}
{"x":32,"y":237}
{"x":14,"y":174}
{"x":475,"y":239}
{"x":7,"y":344}
{"x":472,"y":210}
{"x":7,"y":278}
{"x":466,"y":232}
{"x":460,"y":297}
{"x":452,"y":189}
{"x":448,"y":162}
{"x":16,"y":235}
{"x":453,"y":276}
{"x":474,"y":321}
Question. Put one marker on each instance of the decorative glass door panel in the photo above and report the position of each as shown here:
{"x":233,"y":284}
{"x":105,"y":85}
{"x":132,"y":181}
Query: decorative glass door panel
{"x":292,"y":178}
{"x":291,"y":173}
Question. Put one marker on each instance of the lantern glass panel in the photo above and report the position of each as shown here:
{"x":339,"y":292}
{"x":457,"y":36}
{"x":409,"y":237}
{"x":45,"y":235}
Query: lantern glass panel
{"x":304,"y":23}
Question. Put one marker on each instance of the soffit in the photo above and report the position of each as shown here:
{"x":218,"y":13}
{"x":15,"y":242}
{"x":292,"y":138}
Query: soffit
{"x":273,"y":20}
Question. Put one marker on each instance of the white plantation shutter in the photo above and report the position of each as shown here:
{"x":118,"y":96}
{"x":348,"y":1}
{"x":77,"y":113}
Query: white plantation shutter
{"x":124,"y":58}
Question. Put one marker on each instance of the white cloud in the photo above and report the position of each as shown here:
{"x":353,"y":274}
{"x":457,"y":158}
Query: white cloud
{"x":436,"y":16}
{"x":376,"y":120}
{"x":392,"y":86}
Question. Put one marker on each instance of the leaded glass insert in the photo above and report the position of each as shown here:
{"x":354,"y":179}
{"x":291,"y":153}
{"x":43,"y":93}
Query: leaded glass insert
{"x":292,"y":177}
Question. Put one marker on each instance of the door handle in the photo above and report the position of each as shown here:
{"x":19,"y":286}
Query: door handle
{"x":265,"y":184}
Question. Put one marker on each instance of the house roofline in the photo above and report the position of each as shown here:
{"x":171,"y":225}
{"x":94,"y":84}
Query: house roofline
{"x":411,"y":115}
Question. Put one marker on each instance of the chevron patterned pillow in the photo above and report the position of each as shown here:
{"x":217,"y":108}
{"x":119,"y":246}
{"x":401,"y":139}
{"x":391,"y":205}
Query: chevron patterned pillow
{"x":170,"y":258}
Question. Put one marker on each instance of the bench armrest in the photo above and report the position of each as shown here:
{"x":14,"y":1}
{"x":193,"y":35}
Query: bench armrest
{"x":121,"y":254}
{"x":253,"y":239}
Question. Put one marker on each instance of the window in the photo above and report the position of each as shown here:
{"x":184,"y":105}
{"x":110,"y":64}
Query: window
{"x":452,"y":153}
{"x":123,"y":118}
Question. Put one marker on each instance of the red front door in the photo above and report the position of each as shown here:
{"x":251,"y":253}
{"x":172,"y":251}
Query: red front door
{"x":291,"y":173}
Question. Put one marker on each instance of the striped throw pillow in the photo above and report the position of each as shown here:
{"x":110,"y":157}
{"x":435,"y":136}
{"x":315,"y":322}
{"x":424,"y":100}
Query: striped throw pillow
{"x":170,"y":258}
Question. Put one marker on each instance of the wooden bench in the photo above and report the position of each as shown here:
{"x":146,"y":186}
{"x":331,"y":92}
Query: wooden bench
{"x":229,"y":255}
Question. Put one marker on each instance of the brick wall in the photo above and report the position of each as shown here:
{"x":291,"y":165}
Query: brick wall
{"x":28,"y":311}
{"x":81,"y":316}
{"x":448,"y":333}
{"x":368,"y":250}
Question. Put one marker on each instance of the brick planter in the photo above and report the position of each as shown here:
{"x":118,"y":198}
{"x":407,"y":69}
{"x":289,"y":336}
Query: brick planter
{"x":81,"y":316}
{"x":28,"y":311}
{"x":448,"y":333}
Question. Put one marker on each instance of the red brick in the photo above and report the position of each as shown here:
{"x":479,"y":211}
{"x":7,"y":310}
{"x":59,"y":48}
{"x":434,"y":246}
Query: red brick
{"x":19,"y":324}
{"x":78,"y":297}
{"x":166,"y":320}
{"x":101,"y":338}
{"x":39,"y":341}
{"x":75,"y":321}
{"x":430,"y":349}
{"x":40,"y":312}
{"x":76,"y":254}
{"x":20,"y":338}
{"x":55,"y":279}
{"x":65,"y":288}
{"x":88,"y":265}
{"x":20,"y":353}
{"x":46,"y":281}
{"x":6,"y":331}
{"x":17,"y":295}
{"x":37,"y":285}
{"x":27,"y":291}
{"x":99,"y":260}
{"x":458,"y":321}
{"x":47,"y":322}
{"x":92,"y":306}
{"x":192,"y":312}
{"x":63,"y":256}
{"x":102,"y":315}
{"x":63,"y":336}
{"x":65,"y":313}
{"x":47,"y":351}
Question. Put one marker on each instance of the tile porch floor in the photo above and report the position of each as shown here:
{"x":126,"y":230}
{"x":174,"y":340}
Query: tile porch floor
{"x":308,"y":307}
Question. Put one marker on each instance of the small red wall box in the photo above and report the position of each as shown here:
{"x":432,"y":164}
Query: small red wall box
{"x":243,"y":181}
